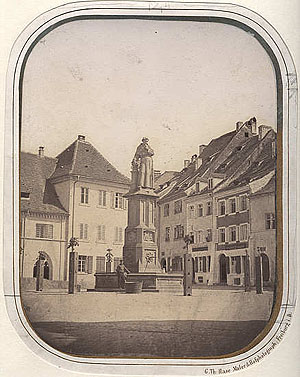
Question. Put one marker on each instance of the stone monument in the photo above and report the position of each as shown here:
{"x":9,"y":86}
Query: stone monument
{"x":140,"y":249}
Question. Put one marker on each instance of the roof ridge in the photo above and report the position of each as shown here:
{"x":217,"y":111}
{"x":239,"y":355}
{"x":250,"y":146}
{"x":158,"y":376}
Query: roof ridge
{"x":74,"y":156}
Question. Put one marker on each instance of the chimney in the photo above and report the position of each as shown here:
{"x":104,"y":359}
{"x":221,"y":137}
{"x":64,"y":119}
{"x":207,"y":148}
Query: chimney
{"x":194,"y":157}
{"x":41,"y":151}
{"x":186,"y":163}
{"x":252,"y":124}
{"x":81,"y":137}
{"x":201,"y":149}
{"x":238,"y":126}
{"x":263,"y":130}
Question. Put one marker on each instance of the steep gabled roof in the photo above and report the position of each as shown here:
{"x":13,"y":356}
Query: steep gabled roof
{"x":82,"y":158}
{"x":34,"y":174}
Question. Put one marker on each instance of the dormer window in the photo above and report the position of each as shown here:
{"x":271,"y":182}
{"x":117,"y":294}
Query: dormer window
{"x":197,"y":187}
{"x":25,"y":195}
{"x":210,"y":183}
{"x":246,"y":134}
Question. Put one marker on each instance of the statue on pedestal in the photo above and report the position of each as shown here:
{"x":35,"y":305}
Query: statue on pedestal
{"x":142,"y":167}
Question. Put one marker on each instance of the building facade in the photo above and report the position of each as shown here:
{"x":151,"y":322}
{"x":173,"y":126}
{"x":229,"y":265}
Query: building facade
{"x":221,"y":190}
{"x":90,"y":192}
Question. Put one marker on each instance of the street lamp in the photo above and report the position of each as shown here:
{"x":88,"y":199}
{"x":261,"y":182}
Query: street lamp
{"x":73,"y":264}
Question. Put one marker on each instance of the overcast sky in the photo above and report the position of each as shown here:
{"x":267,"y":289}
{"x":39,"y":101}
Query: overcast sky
{"x":114,"y":81}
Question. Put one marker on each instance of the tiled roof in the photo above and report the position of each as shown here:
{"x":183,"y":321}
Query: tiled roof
{"x":34,"y":174}
{"x":82,"y":159}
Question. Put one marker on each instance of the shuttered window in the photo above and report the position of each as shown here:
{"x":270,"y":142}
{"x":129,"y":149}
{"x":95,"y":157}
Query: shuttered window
{"x":44,"y":230}
{"x":101,"y":233}
{"x":118,"y":234}
{"x":83,"y":231}
{"x":100,"y":264}
{"x":85,"y":264}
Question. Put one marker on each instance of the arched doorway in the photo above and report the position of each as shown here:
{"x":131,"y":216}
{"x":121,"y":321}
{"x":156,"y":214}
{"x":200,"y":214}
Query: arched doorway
{"x":163,"y":264}
{"x":265,"y":267}
{"x":47,"y":266}
{"x":224,"y":266}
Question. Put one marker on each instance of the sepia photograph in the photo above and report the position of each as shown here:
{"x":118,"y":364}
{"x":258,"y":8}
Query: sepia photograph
{"x":148,"y":188}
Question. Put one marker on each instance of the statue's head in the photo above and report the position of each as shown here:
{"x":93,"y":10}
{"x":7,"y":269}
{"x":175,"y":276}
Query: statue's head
{"x":145,"y":140}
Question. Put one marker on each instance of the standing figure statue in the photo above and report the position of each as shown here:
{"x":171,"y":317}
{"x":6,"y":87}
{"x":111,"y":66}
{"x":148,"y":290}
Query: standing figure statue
{"x":142,"y":166}
{"x":122,"y":272}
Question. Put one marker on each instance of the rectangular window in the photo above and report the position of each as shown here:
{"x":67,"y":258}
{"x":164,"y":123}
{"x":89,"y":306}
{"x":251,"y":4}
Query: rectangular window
{"x":208,"y":263}
{"x":243,"y":232}
{"x":204,"y":264}
{"x":232,"y":205}
{"x":270,"y":221}
{"x":209,"y":235}
{"x":200,"y":210}
{"x":167,"y":234}
{"x":100,"y":264}
{"x":232,"y":233}
{"x":83,"y":231}
{"x":243,"y":203}
{"x":101,"y":233}
{"x":191,"y":212}
{"x":222,"y":208}
{"x":84,"y":196}
{"x":200,"y":236}
{"x":118,"y":203}
{"x":102,"y":198}
{"x":222,"y":235}
{"x":118,"y":234}
{"x":44,"y":230}
{"x":178,"y":232}
{"x":82,"y":263}
{"x":208,"y":208}
{"x":166,"y":210}
{"x":178,"y":206}
{"x":196,"y":264}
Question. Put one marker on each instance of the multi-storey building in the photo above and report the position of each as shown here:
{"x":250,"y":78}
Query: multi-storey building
{"x":90,"y":193}
{"x":216,"y":188}
{"x":43,"y":221}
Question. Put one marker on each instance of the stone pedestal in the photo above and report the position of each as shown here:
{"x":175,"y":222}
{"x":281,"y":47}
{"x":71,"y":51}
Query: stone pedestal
{"x":140,"y":253}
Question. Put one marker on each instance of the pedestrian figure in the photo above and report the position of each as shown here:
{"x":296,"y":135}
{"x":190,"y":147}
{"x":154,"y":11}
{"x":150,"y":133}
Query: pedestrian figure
{"x":122,"y":272}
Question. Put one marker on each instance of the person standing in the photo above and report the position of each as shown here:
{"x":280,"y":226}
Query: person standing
{"x":122,"y":272}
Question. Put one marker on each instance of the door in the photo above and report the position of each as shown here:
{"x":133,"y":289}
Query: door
{"x":223,"y":269}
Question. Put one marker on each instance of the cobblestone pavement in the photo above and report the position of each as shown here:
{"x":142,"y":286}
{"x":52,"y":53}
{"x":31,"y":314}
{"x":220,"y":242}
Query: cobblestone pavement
{"x":168,"y":339}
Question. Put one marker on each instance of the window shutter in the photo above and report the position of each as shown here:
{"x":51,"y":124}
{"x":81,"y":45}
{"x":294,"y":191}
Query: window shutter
{"x":237,"y":233}
{"x":104,"y":198}
{"x":102,"y":264}
{"x":81,"y":231}
{"x":89,"y":264}
{"x":85,"y":231}
{"x":103,"y":232}
{"x":116,"y":234}
{"x":120,"y":234}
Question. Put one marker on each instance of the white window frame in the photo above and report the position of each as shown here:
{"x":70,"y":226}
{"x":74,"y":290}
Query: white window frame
{"x":219,"y":207}
{"x":229,"y":234}
{"x":240,"y":232}
{"x":84,"y":195}
{"x":240,"y":199}
{"x":102,"y":198}
{"x":229,"y":206}
{"x":200,"y":205}
{"x":219,"y":233}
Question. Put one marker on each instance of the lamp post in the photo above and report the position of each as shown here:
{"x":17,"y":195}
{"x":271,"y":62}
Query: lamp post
{"x":73,"y":264}
{"x":188,"y":267}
